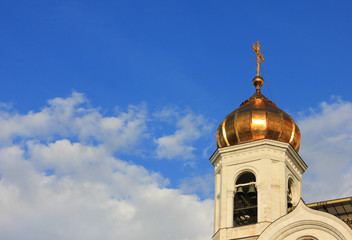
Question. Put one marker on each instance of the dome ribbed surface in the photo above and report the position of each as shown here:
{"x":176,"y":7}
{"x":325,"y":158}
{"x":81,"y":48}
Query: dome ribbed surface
{"x":258,"y":118}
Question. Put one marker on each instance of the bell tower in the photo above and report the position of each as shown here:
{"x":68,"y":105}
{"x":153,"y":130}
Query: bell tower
{"x":258,"y":172}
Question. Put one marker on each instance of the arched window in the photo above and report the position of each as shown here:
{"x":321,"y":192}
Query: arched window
{"x":289,"y":196}
{"x":245,"y":200}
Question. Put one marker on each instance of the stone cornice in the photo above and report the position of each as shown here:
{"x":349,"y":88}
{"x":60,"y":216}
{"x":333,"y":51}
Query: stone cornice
{"x":293,"y":158}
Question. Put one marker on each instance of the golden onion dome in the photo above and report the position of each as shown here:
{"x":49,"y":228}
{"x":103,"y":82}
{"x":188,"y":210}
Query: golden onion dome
{"x":258,"y":118}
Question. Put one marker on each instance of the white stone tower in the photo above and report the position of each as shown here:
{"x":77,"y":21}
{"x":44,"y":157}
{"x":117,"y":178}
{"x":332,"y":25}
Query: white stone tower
{"x":258,"y":172}
{"x":272,"y":167}
{"x":258,"y":177}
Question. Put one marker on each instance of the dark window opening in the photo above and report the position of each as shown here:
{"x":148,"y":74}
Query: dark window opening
{"x":289,"y":196}
{"x":245,"y":201}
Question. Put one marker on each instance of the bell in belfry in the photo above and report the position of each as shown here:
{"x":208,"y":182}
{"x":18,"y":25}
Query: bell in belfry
{"x":251,"y":190}
{"x":240,"y":191}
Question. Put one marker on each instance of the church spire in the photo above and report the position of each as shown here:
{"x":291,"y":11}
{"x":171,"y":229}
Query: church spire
{"x":258,"y":81}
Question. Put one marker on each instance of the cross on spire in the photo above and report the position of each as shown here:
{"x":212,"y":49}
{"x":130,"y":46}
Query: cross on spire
{"x":259,"y":56}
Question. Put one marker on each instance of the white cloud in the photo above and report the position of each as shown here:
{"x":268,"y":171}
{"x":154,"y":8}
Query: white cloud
{"x":180,"y":144}
{"x":202,"y":185}
{"x":59,"y":178}
{"x":327,"y":149}
{"x":73,"y":117}
{"x":88,"y":193}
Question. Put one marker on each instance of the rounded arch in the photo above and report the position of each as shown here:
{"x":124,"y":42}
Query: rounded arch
{"x":291,"y":177}
{"x":303,"y":222}
{"x":307,"y":237}
{"x":299,"y":230}
{"x":242,"y":170}
{"x":245,"y":177}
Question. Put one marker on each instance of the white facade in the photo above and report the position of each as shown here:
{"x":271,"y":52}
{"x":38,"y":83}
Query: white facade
{"x":307,"y":224}
{"x":274,"y":164}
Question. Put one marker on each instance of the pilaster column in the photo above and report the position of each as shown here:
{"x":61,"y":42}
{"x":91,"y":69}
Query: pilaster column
{"x":229,"y":201}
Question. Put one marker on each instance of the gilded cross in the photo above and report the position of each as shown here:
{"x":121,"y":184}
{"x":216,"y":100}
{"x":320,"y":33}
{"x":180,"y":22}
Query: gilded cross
{"x":259,"y":55}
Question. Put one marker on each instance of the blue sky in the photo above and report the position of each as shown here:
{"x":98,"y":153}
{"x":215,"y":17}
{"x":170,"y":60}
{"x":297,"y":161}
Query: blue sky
{"x":141,"y":86}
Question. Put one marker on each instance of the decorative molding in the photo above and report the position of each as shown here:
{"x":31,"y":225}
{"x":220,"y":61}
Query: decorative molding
{"x":303,"y":218}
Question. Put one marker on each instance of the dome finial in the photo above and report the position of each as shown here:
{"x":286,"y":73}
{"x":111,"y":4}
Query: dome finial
{"x":258,"y":82}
